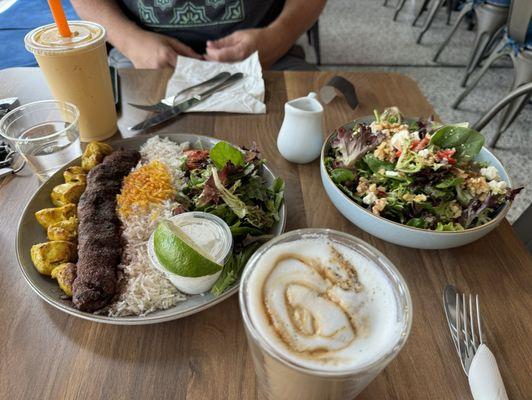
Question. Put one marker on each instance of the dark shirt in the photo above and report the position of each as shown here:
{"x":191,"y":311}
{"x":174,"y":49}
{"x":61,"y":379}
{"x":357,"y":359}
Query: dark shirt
{"x":193,"y":22}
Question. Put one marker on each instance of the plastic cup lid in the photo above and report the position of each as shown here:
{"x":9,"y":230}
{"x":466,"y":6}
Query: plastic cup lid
{"x":47,"y":39}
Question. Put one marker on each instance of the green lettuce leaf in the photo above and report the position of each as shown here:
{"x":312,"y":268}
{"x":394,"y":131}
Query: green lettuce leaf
{"x":233,"y":269}
{"x":232,"y":200}
{"x":223,"y":152}
{"x":449,"y":227}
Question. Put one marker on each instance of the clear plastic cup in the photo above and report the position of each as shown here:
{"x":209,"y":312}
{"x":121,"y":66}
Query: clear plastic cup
{"x":45,"y":133}
{"x":283,"y":377}
{"x":77,"y":71}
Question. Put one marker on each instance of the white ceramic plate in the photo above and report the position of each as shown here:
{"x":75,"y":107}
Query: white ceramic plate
{"x":29,"y":232}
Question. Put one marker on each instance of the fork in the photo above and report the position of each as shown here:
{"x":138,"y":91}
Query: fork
{"x":467,"y":352}
{"x":477,"y":360}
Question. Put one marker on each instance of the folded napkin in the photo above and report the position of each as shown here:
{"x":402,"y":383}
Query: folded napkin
{"x":245,"y":96}
{"x":485,"y":379}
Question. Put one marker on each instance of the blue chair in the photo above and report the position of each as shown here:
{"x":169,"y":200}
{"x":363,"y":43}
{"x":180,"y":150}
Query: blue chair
{"x":491,"y":17}
{"x":516,"y":44}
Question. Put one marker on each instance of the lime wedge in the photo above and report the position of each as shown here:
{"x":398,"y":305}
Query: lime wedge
{"x":178,"y":253}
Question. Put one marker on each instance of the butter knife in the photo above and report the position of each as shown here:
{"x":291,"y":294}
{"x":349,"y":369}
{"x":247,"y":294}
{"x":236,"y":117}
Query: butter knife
{"x":185,"y":105}
{"x":160,"y":106}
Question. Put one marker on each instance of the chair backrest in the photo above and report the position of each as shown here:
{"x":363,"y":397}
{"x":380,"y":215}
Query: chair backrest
{"x":519,"y":20}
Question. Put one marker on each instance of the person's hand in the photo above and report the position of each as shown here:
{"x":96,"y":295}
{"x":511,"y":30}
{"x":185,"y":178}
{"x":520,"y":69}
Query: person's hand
{"x":152,"y":50}
{"x":241,"y":44}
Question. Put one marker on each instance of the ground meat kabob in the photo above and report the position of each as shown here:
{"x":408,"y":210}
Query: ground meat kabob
{"x":99,"y":248}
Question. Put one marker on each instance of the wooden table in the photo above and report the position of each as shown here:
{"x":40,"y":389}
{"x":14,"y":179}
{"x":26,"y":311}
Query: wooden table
{"x":46,"y":354}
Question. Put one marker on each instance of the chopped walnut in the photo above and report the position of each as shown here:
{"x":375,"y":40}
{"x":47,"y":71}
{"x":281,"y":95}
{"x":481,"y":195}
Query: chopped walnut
{"x":363,"y":186}
{"x":385,"y":152}
{"x":477,"y":186}
{"x":455,"y":209}
{"x":416,"y":198}
{"x":378,"y":206}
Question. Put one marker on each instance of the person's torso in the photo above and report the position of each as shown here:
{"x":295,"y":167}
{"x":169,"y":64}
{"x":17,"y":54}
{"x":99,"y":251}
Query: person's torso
{"x":196,"y":21}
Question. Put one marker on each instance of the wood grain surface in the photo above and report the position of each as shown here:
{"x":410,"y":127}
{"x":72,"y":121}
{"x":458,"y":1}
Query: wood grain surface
{"x":46,"y":354}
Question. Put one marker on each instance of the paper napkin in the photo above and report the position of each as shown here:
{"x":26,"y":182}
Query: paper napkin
{"x":245,"y":96}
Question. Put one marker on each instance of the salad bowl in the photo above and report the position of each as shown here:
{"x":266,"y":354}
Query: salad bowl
{"x":401,"y":234}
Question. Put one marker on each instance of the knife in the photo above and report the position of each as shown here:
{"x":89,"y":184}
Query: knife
{"x":449,"y":305}
{"x":185,"y":105}
{"x":160,"y":106}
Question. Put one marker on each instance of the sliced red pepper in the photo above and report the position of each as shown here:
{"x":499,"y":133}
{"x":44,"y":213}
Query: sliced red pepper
{"x":447,"y":155}
{"x":422,"y":144}
{"x":414,"y":144}
{"x":398,"y":153}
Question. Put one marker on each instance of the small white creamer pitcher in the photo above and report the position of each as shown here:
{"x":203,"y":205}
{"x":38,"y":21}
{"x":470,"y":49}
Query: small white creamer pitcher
{"x":301,"y":135}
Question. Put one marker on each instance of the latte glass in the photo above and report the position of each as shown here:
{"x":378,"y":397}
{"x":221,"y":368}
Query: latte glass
{"x":279,"y":377}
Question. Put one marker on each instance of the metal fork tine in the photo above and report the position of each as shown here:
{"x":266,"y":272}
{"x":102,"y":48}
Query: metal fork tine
{"x":464,"y":316}
{"x":471,"y":320}
{"x":480,"y":339}
{"x":458,"y":327}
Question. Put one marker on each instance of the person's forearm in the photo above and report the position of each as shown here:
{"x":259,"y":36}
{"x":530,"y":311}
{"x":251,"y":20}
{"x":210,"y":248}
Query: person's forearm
{"x":119,"y":27}
{"x":295,"y":19}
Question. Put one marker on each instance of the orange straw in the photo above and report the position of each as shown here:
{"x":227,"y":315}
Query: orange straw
{"x":59,"y":17}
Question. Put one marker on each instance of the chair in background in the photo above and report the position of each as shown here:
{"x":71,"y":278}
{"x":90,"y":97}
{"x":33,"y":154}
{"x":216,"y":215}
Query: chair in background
{"x":436,"y":5}
{"x":398,"y":8}
{"x":491,"y":17}
{"x":517,"y":45}
{"x":494,"y":110}
{"x":313,"y":37}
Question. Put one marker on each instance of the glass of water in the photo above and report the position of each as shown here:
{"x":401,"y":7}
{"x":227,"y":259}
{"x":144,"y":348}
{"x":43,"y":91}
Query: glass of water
{"x":45,"y":133}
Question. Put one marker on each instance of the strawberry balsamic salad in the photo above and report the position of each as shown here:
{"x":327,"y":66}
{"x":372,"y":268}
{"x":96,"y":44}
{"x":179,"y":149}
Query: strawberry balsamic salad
{"x":418,"y":173}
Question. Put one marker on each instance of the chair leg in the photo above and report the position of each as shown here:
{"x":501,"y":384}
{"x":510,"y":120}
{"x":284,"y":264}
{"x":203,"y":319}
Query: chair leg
{"x":523,"y":75}
{"x":499,"y":53}
{"x":421,"y":11}
{"x":481,"y":43}
{"x":450,"y":6}
{"x":430,"y":18}
{"x":488,"y":116}
{"x":468,"y":7}
{"x":489,"y":21}
{"x":398,"y":9}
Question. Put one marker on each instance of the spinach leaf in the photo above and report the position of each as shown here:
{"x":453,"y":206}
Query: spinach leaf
{"x":377,"y":165}
{"x":417,"y":223}
{"x":341,"y":175}
{"x":449,"y":182}
{"x":466,"y":141}
{"x":222,"y":152}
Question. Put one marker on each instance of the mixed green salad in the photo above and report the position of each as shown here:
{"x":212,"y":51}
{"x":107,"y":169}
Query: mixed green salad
{"x":418,"y":173}
{"x":228,"y":182}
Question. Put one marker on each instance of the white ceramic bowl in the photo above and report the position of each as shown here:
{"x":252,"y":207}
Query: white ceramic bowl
{"x":404,"y":235}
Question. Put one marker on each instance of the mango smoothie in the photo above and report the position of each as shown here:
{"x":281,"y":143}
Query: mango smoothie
{"x":77,"y":71}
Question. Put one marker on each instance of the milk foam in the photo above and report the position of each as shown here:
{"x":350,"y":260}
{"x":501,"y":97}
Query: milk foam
{"x":322,"y":305}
